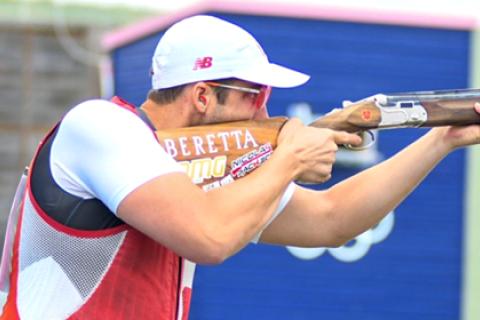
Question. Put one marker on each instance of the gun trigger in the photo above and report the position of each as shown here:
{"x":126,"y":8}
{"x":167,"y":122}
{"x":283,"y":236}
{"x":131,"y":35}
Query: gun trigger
{"x":364,"y":146}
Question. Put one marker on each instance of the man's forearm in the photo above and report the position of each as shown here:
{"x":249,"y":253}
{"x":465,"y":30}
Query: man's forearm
{"x":239,"y":217}
{"x":363,"y":200}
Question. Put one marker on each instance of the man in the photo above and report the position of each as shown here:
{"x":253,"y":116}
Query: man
{"x":108,"y":216}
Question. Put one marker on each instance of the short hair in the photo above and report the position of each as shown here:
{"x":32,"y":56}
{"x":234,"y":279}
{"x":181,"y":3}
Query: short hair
{"x":165,"y":96}
{"x":169,"y":95}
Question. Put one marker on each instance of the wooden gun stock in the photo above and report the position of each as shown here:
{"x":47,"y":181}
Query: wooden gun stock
{"x":230,"y":138}
{"x":364,"y":115}
{"x":208,"y":152}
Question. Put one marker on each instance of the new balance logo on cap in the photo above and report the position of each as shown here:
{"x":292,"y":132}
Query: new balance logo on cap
{"x":203,"y":63}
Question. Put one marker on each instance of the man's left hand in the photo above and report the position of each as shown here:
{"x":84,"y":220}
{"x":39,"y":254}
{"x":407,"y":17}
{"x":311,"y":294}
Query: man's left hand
{"x":456,"y":137}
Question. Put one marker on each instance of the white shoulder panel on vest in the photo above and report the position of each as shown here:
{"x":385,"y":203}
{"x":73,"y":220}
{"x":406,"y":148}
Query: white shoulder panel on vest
{"x":104,"y":151}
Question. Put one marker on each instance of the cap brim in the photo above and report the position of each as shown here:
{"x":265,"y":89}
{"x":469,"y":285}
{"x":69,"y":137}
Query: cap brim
{"x":274,"y":75}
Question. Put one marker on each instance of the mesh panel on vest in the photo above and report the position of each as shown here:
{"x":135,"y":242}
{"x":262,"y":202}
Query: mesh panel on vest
{"x":58,"y":271}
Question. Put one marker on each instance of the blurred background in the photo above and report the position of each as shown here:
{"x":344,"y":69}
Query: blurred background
{"x":421,"y":262}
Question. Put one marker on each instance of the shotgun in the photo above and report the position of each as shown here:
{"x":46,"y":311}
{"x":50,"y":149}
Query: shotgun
{"x":217,"y":154}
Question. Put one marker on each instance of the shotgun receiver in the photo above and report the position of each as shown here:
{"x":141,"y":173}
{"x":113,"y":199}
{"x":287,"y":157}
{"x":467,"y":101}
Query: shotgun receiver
{"x":217,"y":154}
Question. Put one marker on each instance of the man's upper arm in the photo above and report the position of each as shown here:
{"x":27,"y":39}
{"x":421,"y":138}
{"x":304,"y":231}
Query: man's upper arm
{"x":305,"y":221}
{"x":286,"y":198}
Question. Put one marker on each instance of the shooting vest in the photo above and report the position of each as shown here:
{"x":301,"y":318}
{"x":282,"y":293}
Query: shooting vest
{"x":51,"y":271}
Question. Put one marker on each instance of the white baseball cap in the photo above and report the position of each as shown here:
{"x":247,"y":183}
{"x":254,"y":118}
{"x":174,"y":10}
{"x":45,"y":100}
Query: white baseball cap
{"x":204,"y":48}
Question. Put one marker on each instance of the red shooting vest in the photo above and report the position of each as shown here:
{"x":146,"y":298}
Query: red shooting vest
{"x":58,"y":272}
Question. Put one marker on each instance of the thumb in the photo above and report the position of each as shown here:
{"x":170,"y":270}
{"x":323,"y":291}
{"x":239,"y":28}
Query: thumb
{"x":289,"y":129}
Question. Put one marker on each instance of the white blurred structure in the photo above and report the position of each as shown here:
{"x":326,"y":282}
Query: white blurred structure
{"x":468,"y":8}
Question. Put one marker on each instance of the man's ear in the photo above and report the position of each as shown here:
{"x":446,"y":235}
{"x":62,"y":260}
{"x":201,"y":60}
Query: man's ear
{"x":202,"y":96}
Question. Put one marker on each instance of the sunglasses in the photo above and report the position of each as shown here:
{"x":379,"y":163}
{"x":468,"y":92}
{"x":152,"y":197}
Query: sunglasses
{"x":262,"y":94}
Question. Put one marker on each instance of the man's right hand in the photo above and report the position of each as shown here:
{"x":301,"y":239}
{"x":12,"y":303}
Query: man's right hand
{"x":313,"y":149}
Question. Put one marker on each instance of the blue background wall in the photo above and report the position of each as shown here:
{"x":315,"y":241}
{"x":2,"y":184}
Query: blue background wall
{"x":416,"y":272}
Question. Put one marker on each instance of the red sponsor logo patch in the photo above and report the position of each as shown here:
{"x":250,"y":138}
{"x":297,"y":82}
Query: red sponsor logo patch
{"x":366,"y":114}
{"x":203,"y":63}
